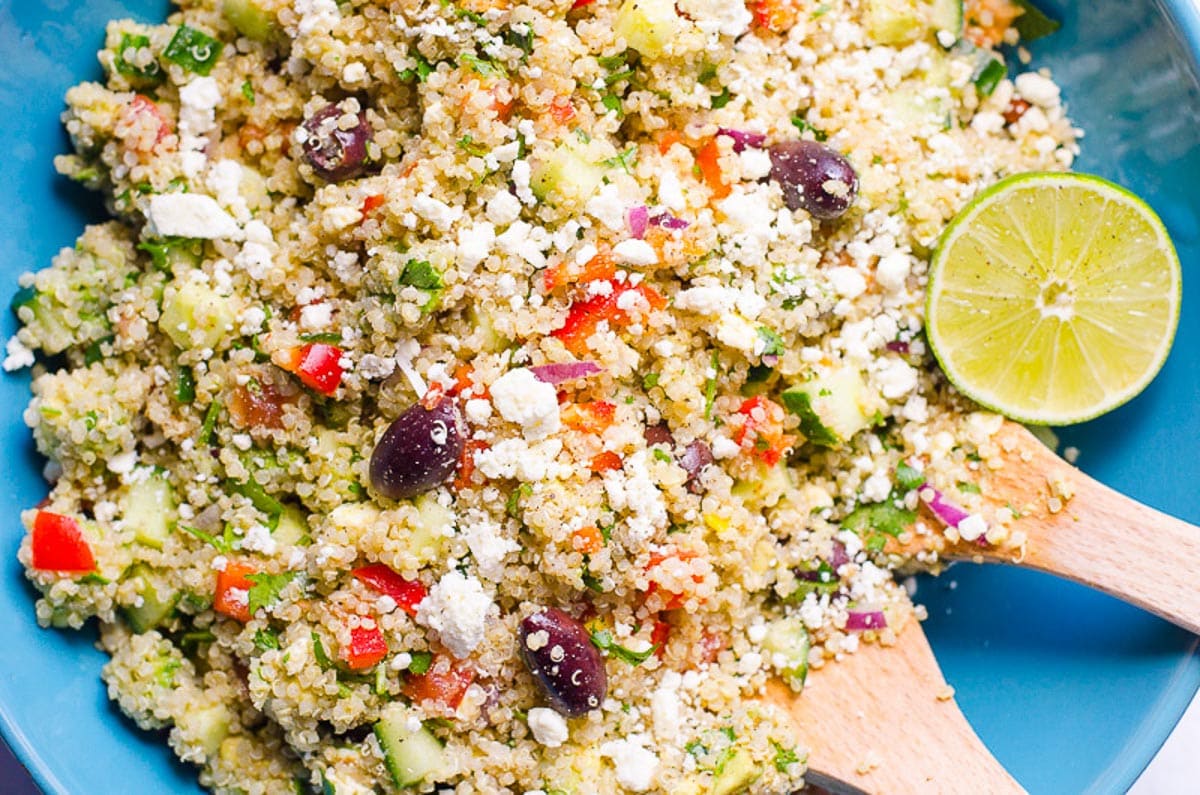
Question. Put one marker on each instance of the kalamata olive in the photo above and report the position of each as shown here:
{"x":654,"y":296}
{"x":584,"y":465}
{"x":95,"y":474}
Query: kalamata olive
{"x":563,"y":661}
{"x":695,"y":457}
{"x":336,"y":153}
{"x":813,"y":177}
{"x":419,"y":450}
{"x":659,"y":434}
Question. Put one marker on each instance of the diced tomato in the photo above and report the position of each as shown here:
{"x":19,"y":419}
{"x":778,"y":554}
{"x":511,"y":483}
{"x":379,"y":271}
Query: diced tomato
{"x":466,"y":464}
{"x":143,"y":106}
{"x":232,"y":597}
{"x":584,"y":316}
{"x":708,"y":161}
{"x":58,"y":545}
{"x":587,"y":540}
{"x":606,"y":462}
{"x":316,"y":364}
{"x":366,"y":648}
{"x":371,"y":204}
{"x":444,"y":690}
{"x":581,"y":3}
{"x":658,"y":637}
{"x":777,"y":16}
{"x":502,"y":101}
{"x":592,"y":416}
{"x":676,"y":599}
{"x":380,"y":577}
{"x":762,"y":427}
{"x":257,"y":404}
{"x":561,"y":110}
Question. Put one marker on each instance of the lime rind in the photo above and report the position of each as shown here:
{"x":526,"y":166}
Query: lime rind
{"x":1014,"y":267}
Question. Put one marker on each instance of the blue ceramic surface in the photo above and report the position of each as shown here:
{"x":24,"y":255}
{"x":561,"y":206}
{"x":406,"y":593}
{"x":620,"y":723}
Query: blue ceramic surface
{"x":1073,"y":691}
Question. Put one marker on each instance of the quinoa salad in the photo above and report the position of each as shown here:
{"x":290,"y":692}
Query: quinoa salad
{"x":470,"y":396}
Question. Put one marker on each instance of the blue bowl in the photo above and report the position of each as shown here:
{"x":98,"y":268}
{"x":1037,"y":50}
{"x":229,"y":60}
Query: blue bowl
{"x":1073,"y":691}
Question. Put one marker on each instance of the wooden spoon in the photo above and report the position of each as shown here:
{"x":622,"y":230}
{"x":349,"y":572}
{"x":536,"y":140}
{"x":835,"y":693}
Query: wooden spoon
{"x":1098,"y":537}
{"x":884,"y":719}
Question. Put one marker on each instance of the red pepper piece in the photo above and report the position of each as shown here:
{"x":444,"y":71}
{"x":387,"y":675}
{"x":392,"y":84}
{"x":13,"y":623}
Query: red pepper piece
{"x":58,"y":544}
{"x":444,"y":689}
{"x":232,"y":597}
{"x":316,"y":365}
{"x":380,"y":577}
{"x":367,"y":647}
{"x":584,"y":316}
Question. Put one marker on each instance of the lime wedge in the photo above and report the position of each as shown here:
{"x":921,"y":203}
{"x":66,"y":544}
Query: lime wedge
{"x":1053,"y":298}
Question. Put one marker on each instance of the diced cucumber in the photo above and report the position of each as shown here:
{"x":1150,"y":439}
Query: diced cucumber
{"x":430,"y":528}
{"x":922,"y":108}
{"x":195,"y":316}
{"x":572,"y":173}
{"x":737,"y":775}
{"x":207,"y":727}
{"x":251,"y":18}
{"x":832,"y":408}
{"x":292,"y":527}
{"x":157,"y":600}
{"x":648,"y":26}
{"x":787,"y":638}
{"x":336,"y":782}
{"x":765,"y":486}
{"x":947,"y":15}
{"x":901,"y":22}
{"x":411,"y":756}
{"x":148,"y":508}
{"x":51,"y":329}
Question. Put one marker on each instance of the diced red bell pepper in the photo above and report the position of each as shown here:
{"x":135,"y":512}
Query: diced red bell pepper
{"x":316,"y":364}
{"x":708,"y":161}
{"x":232,"y":597}
{"x":584,"y":316}
{"x":466,"y":463}
{"x":371,"y":204}
{"x":58,"y":544}
{"x":561,"y":109}
{"x":607,"y":461}
{"x":444,"y":690}
{"x":366,"y":648}
{"x":599,"y":268}
{"x":762,"y":425}
{"x":593,"y":416}
{"x":380,"y":577}
{"x":580,"y":4}
{"x":774,"y":15}
{"x":658,"y":637}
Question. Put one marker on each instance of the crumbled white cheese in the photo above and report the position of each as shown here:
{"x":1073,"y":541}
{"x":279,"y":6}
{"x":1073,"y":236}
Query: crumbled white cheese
{"x":635,"y":252}
{"x":17,"y":355}
{"x":123,"y":463}
{"x":190,"y":215}
{"x":315,"y":317}
{"x":847,"y":281}
{"x":723,"y":447}
{"x":503,"y":208}
{"x":520,"y":460}
{"x":607,"y":208}
{"x":374,"y":367}
{"x":896,"y":379}
{"x":706,"y":300}
{"x":1039,"y":90}
{"x":972,"y":528}
{"x":478,"y":411}
{"x":475,"y":244}
{"x":488,"y":545}
{"x":436,"y":211}
{"x":258,"y":539}
{"x":458,"y":609}
{"x":636,"y":766}
{"x":224,"y":180}
{"x":632,"y":489}
{"x":670,"y":191}
{"x":354,"y":72}
{"x":523,"y":398}
{"x":756,"y":163}
{"x":548,"y":727}
{"x":892,"y":271}
{"x":665,"y":709}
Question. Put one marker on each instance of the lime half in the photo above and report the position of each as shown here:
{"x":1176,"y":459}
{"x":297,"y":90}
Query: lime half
{"x":1053,"y":298}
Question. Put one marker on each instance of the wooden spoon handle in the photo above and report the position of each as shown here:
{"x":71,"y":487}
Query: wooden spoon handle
{"x":1097,"y":537}
{"x":884,"y":720}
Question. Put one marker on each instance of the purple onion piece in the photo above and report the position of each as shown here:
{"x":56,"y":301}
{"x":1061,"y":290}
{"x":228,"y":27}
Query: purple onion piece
{"x":639,"y":219}
{"x":567,"y":667}
{"x":565,"y":371}
{"x":668,"y":221}
{"x":694,"y":458}
{"x":898,"y":346}
{"x":947,"y":512}
{"x":418,"y":451}
{"x":838,"y":557}
{"x":858,"y":620}
{"x":770,"y":359}
{"x":743,"y":139}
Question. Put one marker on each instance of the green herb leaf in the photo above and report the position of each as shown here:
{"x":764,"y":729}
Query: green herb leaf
{"x":602,"y":639}
{"x":784,"y":757}
{"x":662,"y":455}
{"x":421,"y":661}
{"x":248,"y":91}
{"x":422,"y":275}
{"x":772,"y":342}
{"x":1034,"y":24}
{"x":613,"y":62}
{"x":710,"y":387}
{"x":94,"y":352}
{"x":319,"y":653}
{"x":474,"y":16}
{"x":803,"y":126}
{"x":512,"y":506}
{"x":258,"y":496}
{"x":468,"y":145}
{"x":266,"y":589}
{"x":521,"y":40}
{"x":612,"y":102}
{"x":327,"y":337}
{"x":185,"y":385}
{"x":966,"y":487}
{"x":420,"y":72}
{"x":987,"y":78}
{"x":266,"y":639}
{"x":483,"y":66}
{"x":626,"y":160}
{"x":217,"y":543}
{"x":908,"y":478}
{"x":140,"y":76}
{"x":210,"y":423}
{"x":194,"y":50}
{"x":883,"y":517}
{"x":718,"y":101}
{"x":649,"y":380}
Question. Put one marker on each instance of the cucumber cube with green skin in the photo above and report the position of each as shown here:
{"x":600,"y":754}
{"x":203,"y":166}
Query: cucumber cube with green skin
{"x":195,"y":316}
{"x":572,"y":173}
{"x":148,"y":508}
{"x":901,"y":22}
{"x":648,"y":26}
{"x":157,"y":601}
{"x":411,"y":757}
{"x":737,"y":775}
{"x":251,"y":18}
{"x":334,"y":782}
{"x":832,"y":408}
{"x":786,"y":642}
{"x":429,"y":529}
{"x":207,"y":727}
{"x":292,"y":527}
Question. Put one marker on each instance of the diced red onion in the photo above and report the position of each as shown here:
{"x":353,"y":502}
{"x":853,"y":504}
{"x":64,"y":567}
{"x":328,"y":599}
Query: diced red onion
{"x":694,"y":458}
{"x":668,"y":221}
{"x":947,"y":512}
{"x":857,"y":620}
{"x":743,"y":139}
{"x":838,"y":557}
{"x":898,"y":346}
{"x":565,"y":371}
{"x":639,"y":219}
{"x":770,"y":359}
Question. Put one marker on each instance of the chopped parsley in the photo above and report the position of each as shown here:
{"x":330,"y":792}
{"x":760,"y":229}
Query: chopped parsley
{"x":772,"y":342}
{"x":266,"y":589}
{"x":194,"y":50}
{"x":512,"y":506}
{"x":908,"y":478}
{"x":422,"y":275}
{"x":319,"y":653}
{"x":421,"y":660}
{"x":265,"y":639}
{"x":718,"y":101}
{"x":602,"y":639}
{"x":784,"y":757}
{"x":483,"y":66}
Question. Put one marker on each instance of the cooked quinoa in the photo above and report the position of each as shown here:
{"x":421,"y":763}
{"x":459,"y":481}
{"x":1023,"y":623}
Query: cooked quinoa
{"x":328,"y":216}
